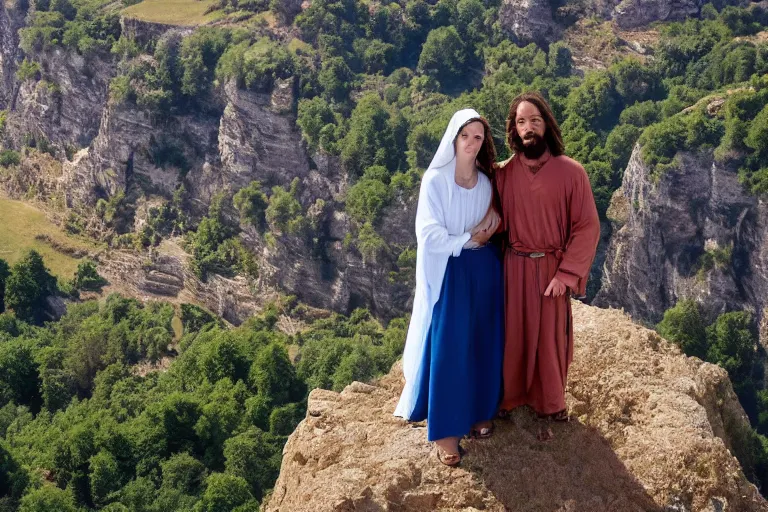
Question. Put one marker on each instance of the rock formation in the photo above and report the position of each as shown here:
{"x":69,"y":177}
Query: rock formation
{"x":653,"y":430}
{"x":693,"y":233}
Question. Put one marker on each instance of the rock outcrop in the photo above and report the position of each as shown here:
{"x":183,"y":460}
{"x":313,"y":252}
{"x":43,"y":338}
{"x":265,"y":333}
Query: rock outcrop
{"x":695,"y":232}
{"x":529,"y":21}
{"x":542,"y":21}
{"x":653,"y":430}
{"x":164,"y":275}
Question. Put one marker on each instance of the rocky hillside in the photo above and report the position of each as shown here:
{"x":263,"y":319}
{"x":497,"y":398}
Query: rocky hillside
{"x":82,"y":141}
{"x":654,"y":430}
{"x":694,"y":231}
{"x":665,"y":228}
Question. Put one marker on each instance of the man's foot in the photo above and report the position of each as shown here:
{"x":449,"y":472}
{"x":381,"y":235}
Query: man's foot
{"x":448,"y":451}
{"x":482,"y":430}
{"x":561,"y":416}
{"x":545,"y":433}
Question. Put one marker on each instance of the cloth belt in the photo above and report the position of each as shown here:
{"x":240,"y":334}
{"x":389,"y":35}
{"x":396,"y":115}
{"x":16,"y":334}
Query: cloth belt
{"x":558,"y":253}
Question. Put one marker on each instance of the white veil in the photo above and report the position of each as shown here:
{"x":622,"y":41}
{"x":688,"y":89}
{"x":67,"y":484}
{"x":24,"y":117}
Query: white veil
{"x":446,"y":154}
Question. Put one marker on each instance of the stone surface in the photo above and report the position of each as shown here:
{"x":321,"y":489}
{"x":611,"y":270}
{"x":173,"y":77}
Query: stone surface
{"x":652,"y":431}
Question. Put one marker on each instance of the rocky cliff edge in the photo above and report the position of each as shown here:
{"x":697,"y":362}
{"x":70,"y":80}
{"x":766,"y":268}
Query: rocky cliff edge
{"x":653,"y":430}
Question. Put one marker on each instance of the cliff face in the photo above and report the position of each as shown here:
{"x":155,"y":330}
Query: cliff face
{"x":91,"y":147}
{"x":542,"y":21}
{"x":694,"y":233}
{"x":653,"y":430}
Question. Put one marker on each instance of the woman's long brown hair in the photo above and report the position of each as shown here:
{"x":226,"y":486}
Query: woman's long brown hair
{"x":486,"y":157}
{"x":552,"y":133}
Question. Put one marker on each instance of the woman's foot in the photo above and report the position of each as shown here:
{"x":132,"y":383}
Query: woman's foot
{"x":448,"y":451}
{"x":482,"y":430}
{"x":561,"y":416}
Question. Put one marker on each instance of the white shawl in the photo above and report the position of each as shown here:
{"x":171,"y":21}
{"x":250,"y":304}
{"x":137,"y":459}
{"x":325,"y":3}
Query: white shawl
{"x":437,"y":240}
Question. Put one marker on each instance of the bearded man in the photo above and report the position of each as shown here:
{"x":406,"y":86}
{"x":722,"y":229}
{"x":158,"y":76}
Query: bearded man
{"x":550,"y":230}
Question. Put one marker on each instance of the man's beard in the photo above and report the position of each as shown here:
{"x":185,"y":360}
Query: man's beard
{"x":534,"y":150}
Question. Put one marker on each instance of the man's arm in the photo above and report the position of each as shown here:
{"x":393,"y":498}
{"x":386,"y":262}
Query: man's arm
{"x":584,"y":237}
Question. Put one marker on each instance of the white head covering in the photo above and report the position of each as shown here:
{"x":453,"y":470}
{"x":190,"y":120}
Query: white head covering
{"x":446,"y":153}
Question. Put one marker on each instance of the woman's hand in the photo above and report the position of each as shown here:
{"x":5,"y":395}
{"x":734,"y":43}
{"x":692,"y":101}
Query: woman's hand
{"x":486,"y":228}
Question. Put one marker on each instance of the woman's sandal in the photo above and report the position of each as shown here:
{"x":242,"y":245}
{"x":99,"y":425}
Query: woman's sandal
{"x":449,"y":459}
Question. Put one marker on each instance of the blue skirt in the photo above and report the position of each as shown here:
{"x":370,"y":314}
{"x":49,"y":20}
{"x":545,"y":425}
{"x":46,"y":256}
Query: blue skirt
{"x":461,"y":378}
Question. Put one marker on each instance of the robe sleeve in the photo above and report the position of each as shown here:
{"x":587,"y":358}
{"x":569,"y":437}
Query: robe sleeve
{"x":498,"y":185}
{"x":584,"y":234}
{"x":431,"y":231}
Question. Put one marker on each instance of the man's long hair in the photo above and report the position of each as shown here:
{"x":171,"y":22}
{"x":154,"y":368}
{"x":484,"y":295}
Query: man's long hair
{"x":552,"y":134}
{"x":487,"y":154}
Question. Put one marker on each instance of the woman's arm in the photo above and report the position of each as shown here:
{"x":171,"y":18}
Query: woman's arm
{"x":431,"y":231}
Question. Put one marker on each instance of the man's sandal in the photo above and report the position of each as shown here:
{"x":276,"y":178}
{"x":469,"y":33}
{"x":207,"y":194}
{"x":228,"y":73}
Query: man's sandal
{"x":561,"y":416}
{"x":482,"y":433}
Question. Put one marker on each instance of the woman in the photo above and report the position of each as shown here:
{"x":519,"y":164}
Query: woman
{"x":453,"y":352}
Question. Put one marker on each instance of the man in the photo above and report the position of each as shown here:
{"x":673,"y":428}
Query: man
{"x":550,"y":231}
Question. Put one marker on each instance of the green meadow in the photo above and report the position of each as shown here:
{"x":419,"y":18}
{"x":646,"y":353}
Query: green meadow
{"x":21,"y":222}
{"x":173,"y":12}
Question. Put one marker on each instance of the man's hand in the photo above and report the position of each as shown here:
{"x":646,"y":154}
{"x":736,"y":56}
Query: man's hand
{"x":486,"y":228}
{"x":556,"y":288}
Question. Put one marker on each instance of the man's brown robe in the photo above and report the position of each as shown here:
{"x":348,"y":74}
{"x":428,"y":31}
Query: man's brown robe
{"x":552,"y":212}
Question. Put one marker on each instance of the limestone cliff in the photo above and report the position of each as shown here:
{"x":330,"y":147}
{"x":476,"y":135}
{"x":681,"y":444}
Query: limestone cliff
{"x":653,"y":431}
{"x":542,"y":21}
{"x":91,"y":147}
{"x":693,"y":233}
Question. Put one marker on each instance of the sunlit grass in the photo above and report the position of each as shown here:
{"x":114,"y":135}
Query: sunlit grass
{"x":173,"y":12}
{"x":20,"y":223}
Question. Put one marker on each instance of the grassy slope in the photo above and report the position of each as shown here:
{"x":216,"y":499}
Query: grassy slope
{"x":173,"y":12}
{"x":20,"y":222}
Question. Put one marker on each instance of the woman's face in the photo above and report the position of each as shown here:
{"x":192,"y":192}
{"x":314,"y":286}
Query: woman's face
{"x":469,"y":141}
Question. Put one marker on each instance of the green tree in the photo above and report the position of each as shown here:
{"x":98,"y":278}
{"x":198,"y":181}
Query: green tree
{"x":252,"y":203}
{"x":336,"y":79}
{"x":560,"y":60}
{"x":595,"y":101}
{"x":5,"y":271}
{"x":683,"y":325}
{"x":105,"y":477}
{"x":184,"y":473}
{"x":28,"y":286}
{"x":48,"y":498}
{"x":284,"y":212}
{"x":732,"y":344}
{"x":273,"y":375}
{"x":87,"y":277}
{"x":366,"y":198}
{"x":254,"y":456}
{"x":371,"y":139}
{"x":224,"y":493}
{"x":635,"y":81}
{"x":619,"y":145}
{"x":314,"y":115}
{"x":284,"y":419}
{"x":444,"y":57}
{"x":757,"y":136}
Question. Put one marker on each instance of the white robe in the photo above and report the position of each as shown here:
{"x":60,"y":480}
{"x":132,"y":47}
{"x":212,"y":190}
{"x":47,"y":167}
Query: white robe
{"x":444,"y":216}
